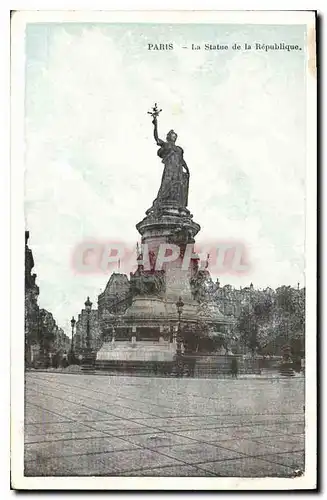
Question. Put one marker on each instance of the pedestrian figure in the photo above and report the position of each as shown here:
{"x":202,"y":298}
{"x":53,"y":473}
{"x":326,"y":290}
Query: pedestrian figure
{"x":234,"y":368}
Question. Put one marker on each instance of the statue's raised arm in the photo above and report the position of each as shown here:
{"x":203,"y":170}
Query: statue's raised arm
{"x":160,"y":142}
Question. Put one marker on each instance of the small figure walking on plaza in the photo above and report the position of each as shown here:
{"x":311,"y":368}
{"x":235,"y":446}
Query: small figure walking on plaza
{"x":234,"y":368}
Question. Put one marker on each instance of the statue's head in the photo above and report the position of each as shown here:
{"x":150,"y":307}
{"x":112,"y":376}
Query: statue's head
{"x":171,"y":136}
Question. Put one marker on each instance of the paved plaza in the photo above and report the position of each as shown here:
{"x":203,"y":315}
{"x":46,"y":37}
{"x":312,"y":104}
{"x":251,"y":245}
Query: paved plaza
{"x":93,"y":425}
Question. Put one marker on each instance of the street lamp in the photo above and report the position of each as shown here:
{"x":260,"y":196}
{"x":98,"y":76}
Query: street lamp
{"x":88,"y":307}
{"x":113,"y":329}
{"x":179,"y":305}
{"x":88,"y":360}
{"x":114,"y":319}
{"x":72,"y":322}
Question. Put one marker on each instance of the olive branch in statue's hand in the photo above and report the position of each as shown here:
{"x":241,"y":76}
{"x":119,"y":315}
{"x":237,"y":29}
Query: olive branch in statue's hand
{"x":154,"y":113}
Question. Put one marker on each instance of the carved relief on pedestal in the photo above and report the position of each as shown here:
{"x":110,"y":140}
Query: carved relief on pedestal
{"x":148,"y":283}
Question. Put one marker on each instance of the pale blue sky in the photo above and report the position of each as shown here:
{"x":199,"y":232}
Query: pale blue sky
{"x":91,"y":164}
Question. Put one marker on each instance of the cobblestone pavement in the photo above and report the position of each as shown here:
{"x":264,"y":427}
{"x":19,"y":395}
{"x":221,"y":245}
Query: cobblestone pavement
{"x":89,"y":425}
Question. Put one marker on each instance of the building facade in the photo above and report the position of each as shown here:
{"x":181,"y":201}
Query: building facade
{"x":31,"y":305}
{"x":87,"y":321}
{"x":43,"y":337}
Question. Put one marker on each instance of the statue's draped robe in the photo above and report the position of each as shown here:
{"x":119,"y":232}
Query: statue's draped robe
{"x":173,"y":190}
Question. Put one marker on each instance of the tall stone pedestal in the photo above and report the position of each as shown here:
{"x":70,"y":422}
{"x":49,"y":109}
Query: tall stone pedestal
{"x":170,"y":226}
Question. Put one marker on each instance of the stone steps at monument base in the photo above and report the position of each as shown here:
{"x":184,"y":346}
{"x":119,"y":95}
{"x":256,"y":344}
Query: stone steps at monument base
{"x":88,"y":368}
{"x":139,"y":367}
{"x":195,"y":368}
{"x":203,"y":369}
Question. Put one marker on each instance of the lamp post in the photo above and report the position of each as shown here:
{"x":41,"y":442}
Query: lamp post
{"x":88,"y":307}
{"x":114,"y":319}
{"x":72,"y":355}
{"x":88,"y":358}
{"x":179,"y":305}
{"x":113,"y":329}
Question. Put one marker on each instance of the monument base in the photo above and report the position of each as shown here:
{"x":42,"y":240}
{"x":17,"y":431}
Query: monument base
{"x":136,"y":351}
{"x":137,"y":357}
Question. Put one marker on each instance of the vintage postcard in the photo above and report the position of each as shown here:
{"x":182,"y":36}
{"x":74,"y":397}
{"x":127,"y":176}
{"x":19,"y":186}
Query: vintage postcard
{"x":164,"y":250}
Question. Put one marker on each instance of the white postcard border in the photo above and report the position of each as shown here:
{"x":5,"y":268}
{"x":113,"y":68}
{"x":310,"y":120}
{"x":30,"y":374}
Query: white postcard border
{"x":19,"y":481}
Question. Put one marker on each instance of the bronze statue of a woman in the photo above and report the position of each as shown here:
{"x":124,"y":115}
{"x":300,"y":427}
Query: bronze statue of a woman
{"x":173,"y":191}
